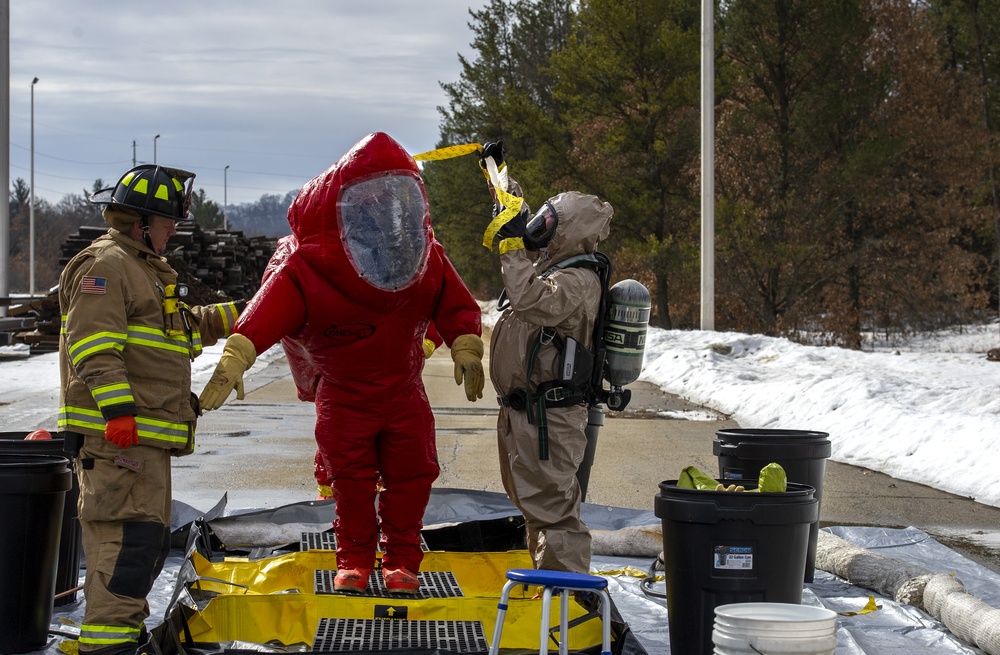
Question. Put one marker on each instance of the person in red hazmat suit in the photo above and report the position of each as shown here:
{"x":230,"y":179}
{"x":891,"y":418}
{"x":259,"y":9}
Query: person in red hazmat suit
{"x":542,"y":421}
{"x":350,"y":295}
{"x":321,"y":470}
{"x":306,"y":375}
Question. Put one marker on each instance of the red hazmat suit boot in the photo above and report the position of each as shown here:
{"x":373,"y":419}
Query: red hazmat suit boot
{"x":400,"y":581}
{"x":351,"y":580}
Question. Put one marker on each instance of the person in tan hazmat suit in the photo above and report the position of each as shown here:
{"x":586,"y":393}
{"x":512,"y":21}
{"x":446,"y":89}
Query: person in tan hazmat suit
{"x":126,"y":346}
{"x":540,"y":428}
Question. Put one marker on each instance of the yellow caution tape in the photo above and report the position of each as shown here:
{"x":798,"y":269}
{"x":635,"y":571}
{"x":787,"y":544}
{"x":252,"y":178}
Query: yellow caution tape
{"x":512,"y":207}
{"x":869,"y":607}
{"x":511,"y":203}
{"x":630,"y":571}
{"x":448,"y":152}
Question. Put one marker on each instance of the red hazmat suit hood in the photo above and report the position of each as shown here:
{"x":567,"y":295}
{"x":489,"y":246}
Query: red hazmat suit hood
{"x":364,"y":224}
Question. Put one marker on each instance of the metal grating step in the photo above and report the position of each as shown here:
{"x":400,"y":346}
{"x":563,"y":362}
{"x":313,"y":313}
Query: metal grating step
{"x":345,"y":635}
{"x":328,"y":541}
{"x":433,"y":584}
{"x":318,"y":541}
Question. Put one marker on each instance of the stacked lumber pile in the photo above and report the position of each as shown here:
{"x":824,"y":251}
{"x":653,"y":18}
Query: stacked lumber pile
{"x":216,"y":265}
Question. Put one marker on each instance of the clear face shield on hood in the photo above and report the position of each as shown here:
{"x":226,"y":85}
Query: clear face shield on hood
{"x":540,"y":229}
{"x":382,"y":224}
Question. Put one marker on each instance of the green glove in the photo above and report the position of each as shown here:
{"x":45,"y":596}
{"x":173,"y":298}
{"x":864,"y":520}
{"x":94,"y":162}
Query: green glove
{"x":238,"y":356}
{"x":772,"y":479}
{"x":467,"y":353}
{"x":692,"y":478}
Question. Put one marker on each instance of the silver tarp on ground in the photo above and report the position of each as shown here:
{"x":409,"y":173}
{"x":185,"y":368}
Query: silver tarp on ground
{"x":894,"y":627}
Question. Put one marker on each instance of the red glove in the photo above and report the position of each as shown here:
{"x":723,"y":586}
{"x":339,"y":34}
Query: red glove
{"x":122,"y":431}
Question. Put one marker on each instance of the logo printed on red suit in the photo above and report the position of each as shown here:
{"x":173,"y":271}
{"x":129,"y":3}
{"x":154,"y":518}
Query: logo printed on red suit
{"x":350,"y":332}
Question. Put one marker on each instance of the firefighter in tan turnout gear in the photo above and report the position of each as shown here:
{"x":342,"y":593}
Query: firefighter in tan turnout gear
{"x":540,"y":429}
{"x":126,"y":346}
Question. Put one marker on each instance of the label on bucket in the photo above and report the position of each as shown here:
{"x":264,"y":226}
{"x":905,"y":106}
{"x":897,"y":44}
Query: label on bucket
{"x":733,"y":558}
{"x":732,"y":474}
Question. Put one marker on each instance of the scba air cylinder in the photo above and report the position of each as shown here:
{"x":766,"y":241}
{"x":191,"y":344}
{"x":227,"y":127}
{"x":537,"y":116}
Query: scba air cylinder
{"x":625,"y":332}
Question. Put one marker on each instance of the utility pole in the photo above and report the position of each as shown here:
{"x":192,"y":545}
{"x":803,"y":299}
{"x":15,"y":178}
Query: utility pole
{"x":4,"y":150}
{"x":225,"y":198}
{"x":31,"y":207}
{"x":707,"y":164}
{"x":154,"y":147}
{"x":133,"y":153}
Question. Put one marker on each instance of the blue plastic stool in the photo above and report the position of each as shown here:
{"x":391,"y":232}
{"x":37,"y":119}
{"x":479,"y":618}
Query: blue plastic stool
{"x":552,"y":581}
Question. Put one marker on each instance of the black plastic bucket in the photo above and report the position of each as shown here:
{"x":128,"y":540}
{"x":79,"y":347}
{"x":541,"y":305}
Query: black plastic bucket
{"x":32,"y":495}
{"x":722,"y":547}
{"x":68,"y":573}
{"x":743,"y":452}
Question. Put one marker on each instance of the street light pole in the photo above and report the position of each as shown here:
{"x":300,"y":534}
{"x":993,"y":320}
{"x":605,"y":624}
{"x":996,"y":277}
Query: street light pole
{"x":225,"y":198}
{"x":154,"y":147}
{"x":31,"y":210}
{"x":4,"y":158}
{"x":707,"y":164}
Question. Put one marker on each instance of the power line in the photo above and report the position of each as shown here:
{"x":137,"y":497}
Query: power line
{"x":70,"y":161}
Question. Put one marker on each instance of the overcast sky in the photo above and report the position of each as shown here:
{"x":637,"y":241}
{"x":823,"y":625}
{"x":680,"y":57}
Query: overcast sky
{"x":277,"y":90}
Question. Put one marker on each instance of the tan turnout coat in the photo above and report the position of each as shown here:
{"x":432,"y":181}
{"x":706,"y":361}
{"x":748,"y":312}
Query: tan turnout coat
{"x":122,"y":351}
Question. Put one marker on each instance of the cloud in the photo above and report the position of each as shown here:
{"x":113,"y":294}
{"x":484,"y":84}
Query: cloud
{"x":275,"y":90}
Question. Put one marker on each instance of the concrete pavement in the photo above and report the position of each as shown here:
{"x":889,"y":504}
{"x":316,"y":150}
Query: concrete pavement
{"x":260,"y":451}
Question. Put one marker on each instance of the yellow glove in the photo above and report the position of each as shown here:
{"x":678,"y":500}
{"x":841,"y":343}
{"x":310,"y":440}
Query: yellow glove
{"x":429,"y":348}
{"x":467,"y":353}
{"x":238,"y":355}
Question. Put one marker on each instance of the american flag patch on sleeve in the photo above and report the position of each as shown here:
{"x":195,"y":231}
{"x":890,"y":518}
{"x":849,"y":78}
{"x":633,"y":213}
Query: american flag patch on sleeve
{"x":91,"y":284}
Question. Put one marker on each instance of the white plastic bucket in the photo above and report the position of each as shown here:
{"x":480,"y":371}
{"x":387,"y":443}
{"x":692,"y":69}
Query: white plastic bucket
{"x":774,"y":629}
